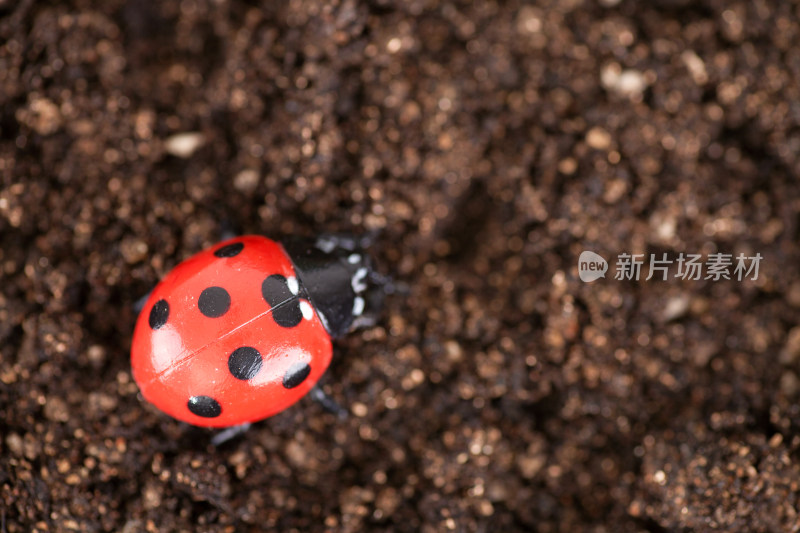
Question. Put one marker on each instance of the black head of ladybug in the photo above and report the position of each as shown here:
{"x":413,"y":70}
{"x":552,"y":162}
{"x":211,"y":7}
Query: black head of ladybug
{"x":338,"y":278}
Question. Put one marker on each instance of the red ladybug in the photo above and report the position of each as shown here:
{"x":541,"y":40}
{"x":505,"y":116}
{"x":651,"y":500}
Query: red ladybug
{"x":241,"y":331}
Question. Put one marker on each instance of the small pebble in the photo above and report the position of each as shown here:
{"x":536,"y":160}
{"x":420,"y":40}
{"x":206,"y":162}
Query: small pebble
{"x":184,"y":145}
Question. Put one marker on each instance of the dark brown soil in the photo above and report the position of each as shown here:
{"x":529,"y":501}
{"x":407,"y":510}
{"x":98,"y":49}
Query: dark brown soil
{"x":489,"y":144}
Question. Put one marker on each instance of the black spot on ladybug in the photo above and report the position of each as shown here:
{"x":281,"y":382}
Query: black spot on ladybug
{"x":214,"y":302}
{"x":244,"y":363}
{"x":285,"y":306}
{"x":288,"y":315}
{"x":204,"y":406}
{"x":275,"y":290}
{"x":296,"y":374}
{"x":230,"y":250}
{"x":159,"y":314}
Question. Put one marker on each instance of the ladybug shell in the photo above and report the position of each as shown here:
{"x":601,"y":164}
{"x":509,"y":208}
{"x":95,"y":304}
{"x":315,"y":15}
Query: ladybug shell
{"x":227,"y":336}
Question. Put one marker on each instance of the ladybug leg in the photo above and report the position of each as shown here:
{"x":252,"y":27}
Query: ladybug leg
{"x":327,"y":403}
{"x":139,"y":304}
{"x":229,"y":433}
{"x":227,"y":230}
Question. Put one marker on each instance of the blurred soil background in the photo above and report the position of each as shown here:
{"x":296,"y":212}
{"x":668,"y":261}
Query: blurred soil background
{"x":489,"y":144}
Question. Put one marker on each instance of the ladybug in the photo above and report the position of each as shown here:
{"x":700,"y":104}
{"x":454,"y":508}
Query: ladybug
{"x":243,"y":330}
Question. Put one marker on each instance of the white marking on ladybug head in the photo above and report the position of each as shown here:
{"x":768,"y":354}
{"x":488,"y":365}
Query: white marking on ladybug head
{"x":354,"y":259}
{"x":358,"y":281}
{"x":291,"y":282}
{"x":326,"y":244}
{"x":358,"y":306}
{"x":305,"y":308}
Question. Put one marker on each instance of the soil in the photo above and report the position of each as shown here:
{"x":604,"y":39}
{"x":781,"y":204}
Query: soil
{"x":486,"y":145}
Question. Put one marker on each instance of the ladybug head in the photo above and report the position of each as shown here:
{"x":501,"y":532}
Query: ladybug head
{"x":339,"y":280}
